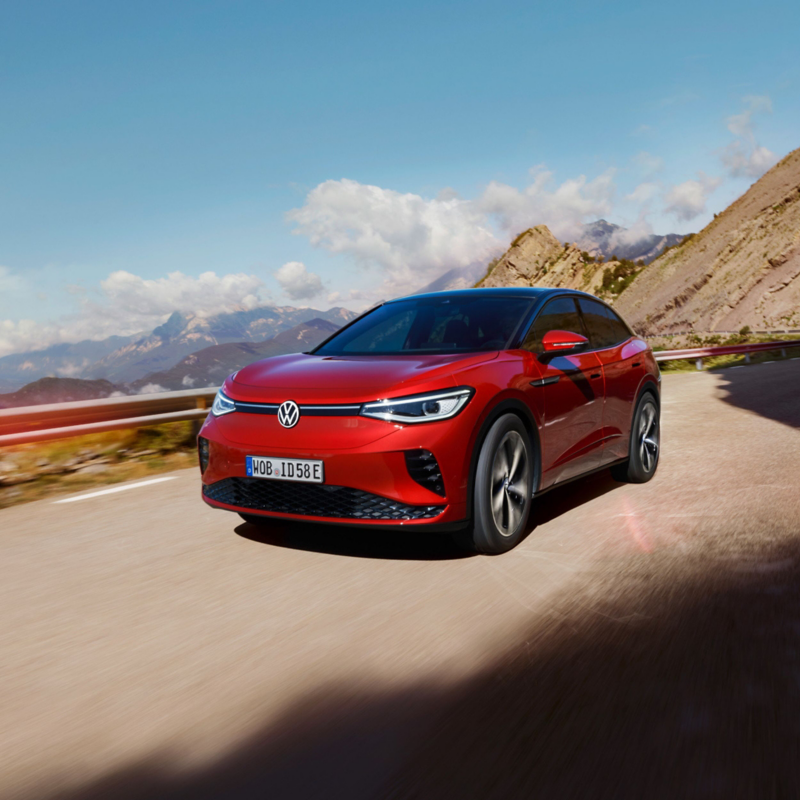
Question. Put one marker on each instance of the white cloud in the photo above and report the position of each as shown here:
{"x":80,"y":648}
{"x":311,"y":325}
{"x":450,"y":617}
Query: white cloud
{"x":563,"y":209}
{"x":643,"y":193}
{"x":687,"y":200}
{"x":745,"y":157}
{"x":742,"y":161}
{"x":297,"y":282}
{"x":742,"y":124}
{"x":205,"y":295}
{"x":151,"y":388}
{"x":410,"y":239}
{"x":626,"y":237}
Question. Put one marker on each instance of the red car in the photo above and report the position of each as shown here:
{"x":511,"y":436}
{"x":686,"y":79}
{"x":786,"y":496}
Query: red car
{"x":450,"y":412}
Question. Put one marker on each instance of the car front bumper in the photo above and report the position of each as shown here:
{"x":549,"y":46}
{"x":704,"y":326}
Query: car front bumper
{"x":365,"y":485}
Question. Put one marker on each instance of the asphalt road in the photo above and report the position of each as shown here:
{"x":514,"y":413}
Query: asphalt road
{"x":643,"y":641}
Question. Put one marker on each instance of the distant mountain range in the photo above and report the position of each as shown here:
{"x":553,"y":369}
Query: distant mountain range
{"x":123,"y":360}
{"x":57,"y":390}
{"x":211,"y":365}
{"x":208,"y":366}
{"x":605,"y":239}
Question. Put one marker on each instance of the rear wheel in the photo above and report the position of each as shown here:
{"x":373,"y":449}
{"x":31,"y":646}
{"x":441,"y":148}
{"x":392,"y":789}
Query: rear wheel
{"x":503,"y":487}
{"x":645,"y":443}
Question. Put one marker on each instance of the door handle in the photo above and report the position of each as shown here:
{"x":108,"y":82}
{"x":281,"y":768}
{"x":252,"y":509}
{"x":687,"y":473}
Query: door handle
{"x":546,"y":381}
{"x":595,"y":375}
{"x":637,"y":363}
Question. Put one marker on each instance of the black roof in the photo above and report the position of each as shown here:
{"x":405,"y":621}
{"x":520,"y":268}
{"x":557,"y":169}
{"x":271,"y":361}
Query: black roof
{"x":529,"y":292}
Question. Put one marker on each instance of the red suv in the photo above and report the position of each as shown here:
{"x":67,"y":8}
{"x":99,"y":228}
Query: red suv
{"x":444,"y":411}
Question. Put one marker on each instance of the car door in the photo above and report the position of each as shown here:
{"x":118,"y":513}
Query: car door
{"x":569,"y":388}
{"x":622,"y":358}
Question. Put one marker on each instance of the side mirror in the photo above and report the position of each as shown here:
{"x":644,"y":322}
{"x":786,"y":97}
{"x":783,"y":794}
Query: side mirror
{"x":563,"y":342}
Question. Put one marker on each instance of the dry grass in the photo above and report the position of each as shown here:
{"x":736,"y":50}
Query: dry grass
{"x":72,"y":465}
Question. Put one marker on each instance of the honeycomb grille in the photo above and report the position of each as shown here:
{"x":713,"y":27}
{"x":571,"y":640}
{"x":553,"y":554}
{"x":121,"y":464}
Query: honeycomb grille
{"x":312,"y":500}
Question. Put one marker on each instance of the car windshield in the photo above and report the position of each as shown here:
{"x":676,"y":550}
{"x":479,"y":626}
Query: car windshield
{"x":431,"y":325}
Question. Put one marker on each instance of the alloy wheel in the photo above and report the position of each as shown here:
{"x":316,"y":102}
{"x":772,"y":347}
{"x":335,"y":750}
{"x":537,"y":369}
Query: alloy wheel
{"x":648,"y":437}
{"x":509,"y":487}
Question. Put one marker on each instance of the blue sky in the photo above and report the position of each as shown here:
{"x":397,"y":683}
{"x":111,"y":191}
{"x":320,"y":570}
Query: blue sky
{"x":142,"y":140}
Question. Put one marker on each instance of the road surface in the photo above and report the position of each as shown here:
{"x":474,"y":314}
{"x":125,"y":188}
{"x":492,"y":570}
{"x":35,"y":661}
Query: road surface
{"x":643,"y":641}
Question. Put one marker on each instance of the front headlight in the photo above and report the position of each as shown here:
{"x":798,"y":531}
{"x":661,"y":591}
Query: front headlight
{"x":429,"y":407}
{"x":222,"y":404}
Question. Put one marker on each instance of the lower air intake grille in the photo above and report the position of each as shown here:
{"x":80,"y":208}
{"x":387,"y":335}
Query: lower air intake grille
{"x":312,"y":500}
{"x":424,"y":469}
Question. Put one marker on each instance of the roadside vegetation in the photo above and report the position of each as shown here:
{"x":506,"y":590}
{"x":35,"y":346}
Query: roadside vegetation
{"x":35,"y":471}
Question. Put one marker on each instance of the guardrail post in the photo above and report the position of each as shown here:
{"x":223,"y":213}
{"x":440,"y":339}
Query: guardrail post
{"x":783,"y":352}
{"x":747,"y":358}
{"x":197,"y":423}
{"x":699,"y":363}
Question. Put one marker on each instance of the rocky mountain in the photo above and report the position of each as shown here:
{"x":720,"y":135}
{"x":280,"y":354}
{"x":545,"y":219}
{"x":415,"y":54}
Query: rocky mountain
{"x":743,"y":268}
{"x":537,"y":258}
{"x":125,"y":359}
{"x":211,"y":365}
{"x":601,"y":238}
{"x":57,"y":390}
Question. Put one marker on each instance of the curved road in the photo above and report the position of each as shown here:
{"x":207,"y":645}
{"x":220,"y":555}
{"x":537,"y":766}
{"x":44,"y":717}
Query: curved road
{"x":643,"y":641}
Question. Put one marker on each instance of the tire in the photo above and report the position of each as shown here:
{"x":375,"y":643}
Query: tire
{"x":503,"y":488}
{"x":645,"y":443}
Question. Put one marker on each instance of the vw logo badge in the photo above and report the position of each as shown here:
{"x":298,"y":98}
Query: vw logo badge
{"x":289,"y":414}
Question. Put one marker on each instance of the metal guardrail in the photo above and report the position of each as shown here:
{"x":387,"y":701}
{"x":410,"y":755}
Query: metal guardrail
{"x":63,"y":420}
{"x":697,"y":354}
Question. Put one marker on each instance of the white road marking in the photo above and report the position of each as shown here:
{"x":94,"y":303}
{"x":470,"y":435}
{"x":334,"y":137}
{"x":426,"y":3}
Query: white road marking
{"x":114,"y":490}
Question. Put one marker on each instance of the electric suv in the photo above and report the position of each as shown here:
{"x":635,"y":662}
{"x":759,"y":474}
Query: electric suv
{"x":451,"y":411}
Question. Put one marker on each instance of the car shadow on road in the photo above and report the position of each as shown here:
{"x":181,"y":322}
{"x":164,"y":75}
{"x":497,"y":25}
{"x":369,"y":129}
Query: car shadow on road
{"x":341,"y":540}
{"x":411,"y":544}
{"x":571,"y":495}
{"x":770,"y":390}
{"x":678,"y":681}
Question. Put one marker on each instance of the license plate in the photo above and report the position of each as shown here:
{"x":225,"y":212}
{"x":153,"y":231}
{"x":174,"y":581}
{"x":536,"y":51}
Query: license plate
{"x":285,"y":469}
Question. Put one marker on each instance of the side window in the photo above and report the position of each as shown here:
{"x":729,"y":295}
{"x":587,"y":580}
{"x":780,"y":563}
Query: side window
{"x":560,"y":314}
{"x":621,"y":331}
{"x":605,"y":328}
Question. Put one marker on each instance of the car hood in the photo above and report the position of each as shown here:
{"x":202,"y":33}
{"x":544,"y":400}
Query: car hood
{"x":347,"y":379}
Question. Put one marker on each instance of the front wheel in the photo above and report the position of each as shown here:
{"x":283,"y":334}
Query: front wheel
{"x":645,"y":443}
{"x":503,"y":487}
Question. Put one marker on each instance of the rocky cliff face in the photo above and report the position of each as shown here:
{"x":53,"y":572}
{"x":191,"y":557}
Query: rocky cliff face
{"x":537,"y":258}
{"x":741,"y":269}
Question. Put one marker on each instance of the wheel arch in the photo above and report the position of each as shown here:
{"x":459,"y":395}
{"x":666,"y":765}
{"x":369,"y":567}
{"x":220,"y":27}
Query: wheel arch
{"x":649,"y":385}
{"x":524,"y":413}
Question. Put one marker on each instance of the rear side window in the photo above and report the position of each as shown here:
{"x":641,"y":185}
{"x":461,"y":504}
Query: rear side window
{"x":605,"y":328}
{"x":560,"y":314}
